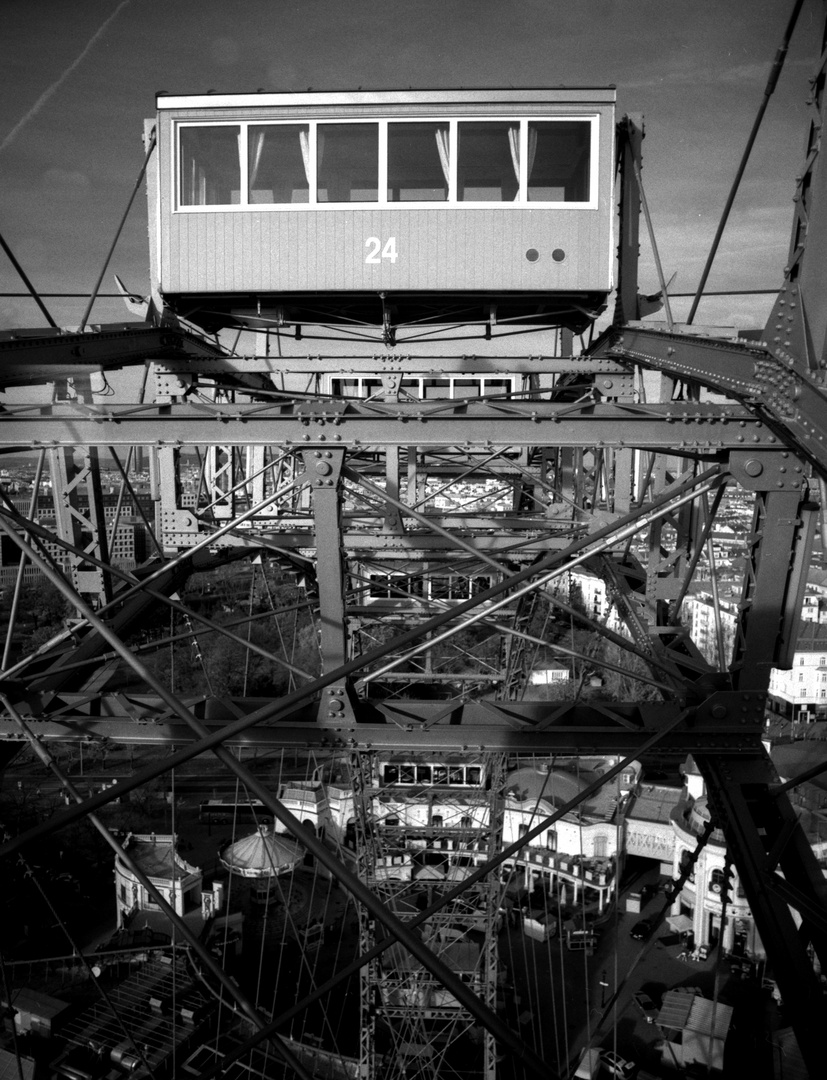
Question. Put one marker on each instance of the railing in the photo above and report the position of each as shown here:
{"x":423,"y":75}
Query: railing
{"x":595,"y":871}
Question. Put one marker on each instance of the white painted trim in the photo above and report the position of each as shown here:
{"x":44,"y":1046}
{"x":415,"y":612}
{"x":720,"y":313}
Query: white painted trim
{"x":587,"y":96}
{"x":382,"y":202}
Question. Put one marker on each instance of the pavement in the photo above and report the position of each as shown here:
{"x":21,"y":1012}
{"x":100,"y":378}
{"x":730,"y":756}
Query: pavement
{"x":655,"y":966}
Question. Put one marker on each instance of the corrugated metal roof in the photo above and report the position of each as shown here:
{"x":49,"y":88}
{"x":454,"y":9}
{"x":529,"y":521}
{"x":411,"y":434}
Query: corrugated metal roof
{"x":675,"y":1010}
{"x":9,"y":1069}
{"x":701,"y":1017}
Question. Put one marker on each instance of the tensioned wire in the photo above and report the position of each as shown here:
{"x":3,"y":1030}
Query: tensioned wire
{"x":506,"y":854}
{"x":228,"y":901}
{"x":288,"y":923}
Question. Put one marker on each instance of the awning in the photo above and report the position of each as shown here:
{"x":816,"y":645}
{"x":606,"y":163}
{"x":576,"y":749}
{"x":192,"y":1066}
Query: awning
{"x":679,"y":923}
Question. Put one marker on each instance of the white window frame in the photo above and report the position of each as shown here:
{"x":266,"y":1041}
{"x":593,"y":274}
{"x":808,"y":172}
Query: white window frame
{"x":487,"y":379}
{"x":382,"y":202}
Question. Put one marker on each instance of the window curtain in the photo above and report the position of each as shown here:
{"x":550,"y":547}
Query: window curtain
{"x":194,"y":183}
{"x":256,"y":148}
{"x":532,"y":149}
{"x":241,"y":139}
{"x":443,"y":146}
{"x":304,"y":141}
{"x":193,"y":187}
{"x":514,"y":146}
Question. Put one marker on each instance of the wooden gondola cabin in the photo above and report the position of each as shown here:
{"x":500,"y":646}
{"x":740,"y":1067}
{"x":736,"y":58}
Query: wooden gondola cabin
{"x":385,"y":208}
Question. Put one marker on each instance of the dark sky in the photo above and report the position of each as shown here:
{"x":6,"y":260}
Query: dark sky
{"x":80,"y":75}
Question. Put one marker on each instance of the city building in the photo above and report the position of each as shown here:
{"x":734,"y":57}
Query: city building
{"x":711,"y":628}
{"x":179,"y":883}
{"x":698,"y":908}
{"x":552,"y":671}
{"x":800,"y":693}
{"x":814,"y":606}
{"x":585,"y":589}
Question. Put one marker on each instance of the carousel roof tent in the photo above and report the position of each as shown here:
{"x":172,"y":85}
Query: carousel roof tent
{"x":264,"y":854}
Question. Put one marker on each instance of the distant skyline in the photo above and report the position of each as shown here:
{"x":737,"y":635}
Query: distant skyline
{"x":80,"y":77}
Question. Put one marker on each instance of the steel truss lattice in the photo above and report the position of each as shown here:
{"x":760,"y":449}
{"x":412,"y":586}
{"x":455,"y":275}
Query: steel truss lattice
{"x":429,"y":547}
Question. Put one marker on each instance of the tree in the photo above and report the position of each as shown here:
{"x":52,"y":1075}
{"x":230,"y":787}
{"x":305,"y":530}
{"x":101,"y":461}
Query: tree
{"x":626,"y":686}
{"x":42,"y":609}
{"x":45,"y":604}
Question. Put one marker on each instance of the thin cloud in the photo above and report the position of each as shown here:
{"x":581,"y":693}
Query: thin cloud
{"x":66,"y":179}
{"x":44,"y":97}
{"x":685,"y":70}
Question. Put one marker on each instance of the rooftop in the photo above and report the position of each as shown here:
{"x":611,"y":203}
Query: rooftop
{"x":157,"y":857}
{"x":792,"y":759}
{"x":812,"y":637}
{"x":37,"y":1003}
{"x":9,"y":1069}
{"x":709,"y":1017}
{"x":511,"y":95}
{"x":558,"y":787}
{"x":264,"y":854}
{"x":655,"y":802}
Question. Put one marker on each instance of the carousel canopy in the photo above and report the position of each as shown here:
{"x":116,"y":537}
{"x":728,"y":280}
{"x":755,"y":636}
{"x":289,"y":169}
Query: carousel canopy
{"x":262,"y":855}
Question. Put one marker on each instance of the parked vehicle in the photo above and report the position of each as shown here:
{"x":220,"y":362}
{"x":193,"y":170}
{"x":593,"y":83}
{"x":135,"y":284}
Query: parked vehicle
{"x":615,"y":1065}
{"x":646,"y":1006}
{"x":642,"y":929}
{"x":581,"y":939}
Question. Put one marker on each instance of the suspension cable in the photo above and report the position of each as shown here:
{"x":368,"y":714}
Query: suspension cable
{"x":94,"y":296}
{"x":32,"y":290}
{"x":772,"y":79}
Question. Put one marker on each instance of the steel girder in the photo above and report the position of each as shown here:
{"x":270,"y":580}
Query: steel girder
{"x":425,"y":361}
{"x":36,"y":356}
{"x":676,"y":427}
{"x":792,"y":401}
{"x":726,"y":722}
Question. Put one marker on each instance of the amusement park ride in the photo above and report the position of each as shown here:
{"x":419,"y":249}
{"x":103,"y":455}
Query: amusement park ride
{"x":386,"y":251}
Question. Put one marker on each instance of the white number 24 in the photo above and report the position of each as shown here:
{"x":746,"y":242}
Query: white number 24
{"x":374,"y":246}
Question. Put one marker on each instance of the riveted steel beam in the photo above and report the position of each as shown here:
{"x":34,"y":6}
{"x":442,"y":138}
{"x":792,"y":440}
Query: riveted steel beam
{"x":423,"y":362}
{"x":689,"y":428}
{"x":791,"y":400}
{"x":723,"y":722}
{"x":33,"y":356}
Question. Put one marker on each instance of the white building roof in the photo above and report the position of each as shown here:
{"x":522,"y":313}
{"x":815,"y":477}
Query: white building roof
{"x":555,"y":788}
{"x":262,"y":855}
{"x":157,"y":857}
